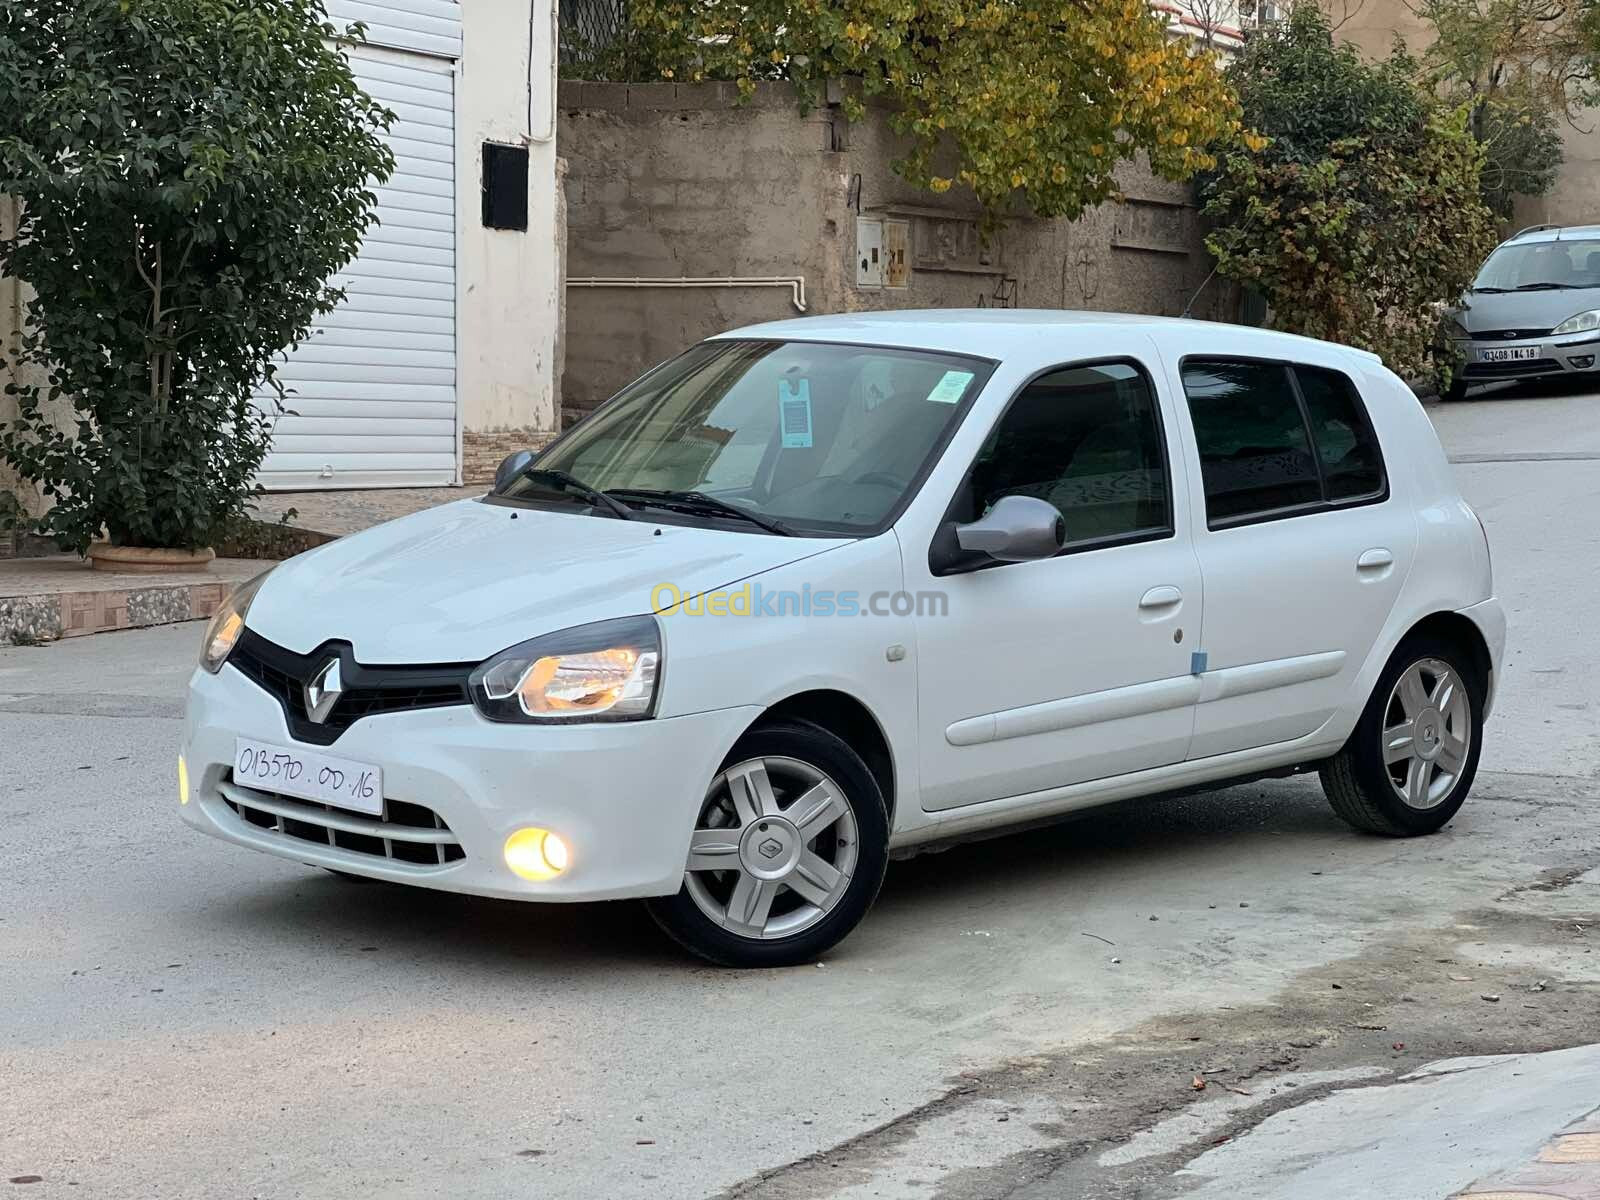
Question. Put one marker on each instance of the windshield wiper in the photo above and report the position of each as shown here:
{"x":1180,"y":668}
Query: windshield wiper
{"x":594,"y":496}
{"x":1545,"y":287}
{"x":700,"y":502}
{"x":1489,"y":289}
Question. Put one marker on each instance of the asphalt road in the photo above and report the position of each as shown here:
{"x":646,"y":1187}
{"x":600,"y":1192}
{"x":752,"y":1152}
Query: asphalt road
{"x":180,"y":1018}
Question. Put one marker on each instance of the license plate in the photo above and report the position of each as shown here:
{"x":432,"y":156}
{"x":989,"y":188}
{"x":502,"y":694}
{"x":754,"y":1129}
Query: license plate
{"x":309,"y":775}
{"x":1508,"y":353}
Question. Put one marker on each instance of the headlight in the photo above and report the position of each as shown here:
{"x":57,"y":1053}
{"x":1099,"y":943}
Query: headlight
{"x":222,"y":635}
{"x":607,"y":671}
{"x":1584,"y":322}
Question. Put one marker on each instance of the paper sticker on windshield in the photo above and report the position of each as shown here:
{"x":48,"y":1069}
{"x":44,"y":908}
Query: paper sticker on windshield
{"x":951,"y":388}
{"x":794,"y":413}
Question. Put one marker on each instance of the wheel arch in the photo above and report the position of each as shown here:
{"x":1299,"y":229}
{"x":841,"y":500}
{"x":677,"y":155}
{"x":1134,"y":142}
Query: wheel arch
{"x":847,"y":718}
{"x":1463,"y":631}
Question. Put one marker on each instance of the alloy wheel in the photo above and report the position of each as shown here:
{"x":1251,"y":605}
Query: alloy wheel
{"x":1427,"y":733}
{"x":774,"y":848}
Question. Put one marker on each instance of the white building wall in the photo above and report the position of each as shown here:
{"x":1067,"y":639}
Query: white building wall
{"x":510,"y":284}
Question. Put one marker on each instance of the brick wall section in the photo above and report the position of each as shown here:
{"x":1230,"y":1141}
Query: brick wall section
{"x":481,"y":453}
{"x":683,"y":180}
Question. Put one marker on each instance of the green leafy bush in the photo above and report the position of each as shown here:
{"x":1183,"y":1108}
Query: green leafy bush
{"x":1362,"y":215}
{"x":191,"y":174}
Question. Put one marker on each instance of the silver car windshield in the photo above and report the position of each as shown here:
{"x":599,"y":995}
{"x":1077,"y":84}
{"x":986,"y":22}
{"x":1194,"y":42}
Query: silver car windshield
{"x":1535,"y":266}
{"x":826,"y":439}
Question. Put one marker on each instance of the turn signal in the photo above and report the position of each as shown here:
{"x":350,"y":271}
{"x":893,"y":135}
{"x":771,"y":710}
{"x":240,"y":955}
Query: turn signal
{"x":183,"y":781}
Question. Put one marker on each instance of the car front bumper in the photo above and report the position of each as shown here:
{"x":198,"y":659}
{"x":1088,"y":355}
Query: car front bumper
{"x":623,"y":795}
{"x":1567,"y":355}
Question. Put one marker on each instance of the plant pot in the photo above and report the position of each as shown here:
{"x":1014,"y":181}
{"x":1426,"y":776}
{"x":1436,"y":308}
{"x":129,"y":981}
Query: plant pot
{"x":143,"y":560}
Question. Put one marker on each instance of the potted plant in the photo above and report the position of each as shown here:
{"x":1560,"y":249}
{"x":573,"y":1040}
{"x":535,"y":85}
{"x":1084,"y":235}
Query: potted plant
{"x":186,"y":176}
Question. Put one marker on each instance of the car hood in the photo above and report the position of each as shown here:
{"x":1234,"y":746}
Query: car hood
{"x":463,"y":581}
{"x":1481,"y":311}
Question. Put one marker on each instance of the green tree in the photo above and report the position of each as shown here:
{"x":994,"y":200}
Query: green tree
{"x":191,"y":174}
{"x":1521,"y":67}
{"x":1040,"y":99}
{"x":1362,"y":215}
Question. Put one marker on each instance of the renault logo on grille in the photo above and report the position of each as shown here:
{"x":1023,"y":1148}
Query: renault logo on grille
{"x":323,"y":692}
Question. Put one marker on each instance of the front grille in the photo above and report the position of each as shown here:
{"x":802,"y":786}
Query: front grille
{"x":1508,"y":335}
{"x":368,"y":691}
{"x":1502,"y":370}
{"x":405,"y":833}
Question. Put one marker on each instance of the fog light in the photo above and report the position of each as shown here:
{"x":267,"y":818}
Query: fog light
{"x":183,"y":781}
{"x":1582,"y":361}
{"x":537,"y":854}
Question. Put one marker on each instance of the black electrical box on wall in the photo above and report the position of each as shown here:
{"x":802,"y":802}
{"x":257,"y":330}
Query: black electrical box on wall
{"x":505,"y":186}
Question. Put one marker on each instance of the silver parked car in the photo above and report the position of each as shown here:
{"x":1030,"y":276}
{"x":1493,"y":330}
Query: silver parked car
{"x":1533,"y":310}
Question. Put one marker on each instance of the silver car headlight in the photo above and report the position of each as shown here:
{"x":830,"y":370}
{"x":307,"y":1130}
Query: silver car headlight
{"x":1584,"y":322}
{"x":606,"y":671}
{"x":222,"y":634}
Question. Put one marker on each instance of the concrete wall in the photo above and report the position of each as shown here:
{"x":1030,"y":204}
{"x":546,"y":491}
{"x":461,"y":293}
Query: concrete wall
{"x":510,"y":293}
{"x":671,"y":181}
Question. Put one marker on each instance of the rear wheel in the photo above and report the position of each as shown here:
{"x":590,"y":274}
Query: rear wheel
{"x":1409,"y":764}
{"x":787,"y":854}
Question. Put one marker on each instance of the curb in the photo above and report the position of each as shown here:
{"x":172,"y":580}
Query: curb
{"x":37,"y":612}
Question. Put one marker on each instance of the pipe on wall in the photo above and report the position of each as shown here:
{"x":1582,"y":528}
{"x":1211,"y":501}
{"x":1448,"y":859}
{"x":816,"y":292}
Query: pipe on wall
{"x":795,"y":283}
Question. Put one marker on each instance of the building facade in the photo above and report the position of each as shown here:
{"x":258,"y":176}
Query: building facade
{"x":443,"y":355}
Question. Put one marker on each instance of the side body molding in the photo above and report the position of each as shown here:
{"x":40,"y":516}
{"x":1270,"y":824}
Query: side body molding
{"x":1142,"y":698}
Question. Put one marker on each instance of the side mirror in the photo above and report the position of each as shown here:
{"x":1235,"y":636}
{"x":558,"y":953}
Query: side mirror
{"x":511,"y":466}
{"x":1016,"y":529}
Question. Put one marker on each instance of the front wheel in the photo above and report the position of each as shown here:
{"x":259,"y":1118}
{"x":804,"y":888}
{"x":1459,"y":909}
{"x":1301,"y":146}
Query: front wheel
{"x":1408,"y":766}
{"x":787,"y":854}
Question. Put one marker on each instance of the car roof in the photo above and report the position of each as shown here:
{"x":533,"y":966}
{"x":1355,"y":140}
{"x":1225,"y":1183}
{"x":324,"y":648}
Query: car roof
{"x":1002,"y":332}
{"x":1552,"y":233}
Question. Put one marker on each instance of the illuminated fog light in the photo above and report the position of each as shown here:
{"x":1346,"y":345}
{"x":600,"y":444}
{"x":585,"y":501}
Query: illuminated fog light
{"x":537,"y":854}
{"x":183,"y":781}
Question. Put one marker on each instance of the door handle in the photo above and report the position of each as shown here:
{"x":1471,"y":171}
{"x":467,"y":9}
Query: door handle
{"x":1161,"y":597}
{"x":1375,"y":558}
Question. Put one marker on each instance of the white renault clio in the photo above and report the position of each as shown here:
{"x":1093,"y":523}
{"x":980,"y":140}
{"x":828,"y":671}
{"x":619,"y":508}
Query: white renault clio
{"x":819,"y":591}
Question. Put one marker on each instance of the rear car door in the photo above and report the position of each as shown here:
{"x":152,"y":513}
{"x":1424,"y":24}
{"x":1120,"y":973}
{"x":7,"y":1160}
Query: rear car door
{"x":1303,"y":545}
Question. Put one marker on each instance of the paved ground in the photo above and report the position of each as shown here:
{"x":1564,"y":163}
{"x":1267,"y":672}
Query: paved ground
{"x":1025,"y":1018}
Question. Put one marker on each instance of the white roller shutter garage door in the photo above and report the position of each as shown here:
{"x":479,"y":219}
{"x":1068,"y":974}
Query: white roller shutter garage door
{"x":373,"y":389}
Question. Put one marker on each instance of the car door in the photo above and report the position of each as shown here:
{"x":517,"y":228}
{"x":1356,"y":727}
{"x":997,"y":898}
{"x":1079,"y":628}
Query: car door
{"x":1035,"y":675}
{"x":1302,"y":545}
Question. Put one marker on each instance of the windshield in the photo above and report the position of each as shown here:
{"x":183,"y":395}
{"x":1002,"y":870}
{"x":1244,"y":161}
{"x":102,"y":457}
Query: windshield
{"x":824,"y":439}
{"x":1537,"y":265}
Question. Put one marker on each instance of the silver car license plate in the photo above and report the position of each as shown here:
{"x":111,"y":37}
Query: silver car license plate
{"x":1508,"y":353}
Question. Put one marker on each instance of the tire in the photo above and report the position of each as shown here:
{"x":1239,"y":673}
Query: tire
{"x":1456,"y":391}
{"x":809,"y":877}
{"x":1431,"y":769}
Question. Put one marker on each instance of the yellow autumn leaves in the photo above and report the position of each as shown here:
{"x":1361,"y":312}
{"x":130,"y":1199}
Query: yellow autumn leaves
{"x":1039,"y":99}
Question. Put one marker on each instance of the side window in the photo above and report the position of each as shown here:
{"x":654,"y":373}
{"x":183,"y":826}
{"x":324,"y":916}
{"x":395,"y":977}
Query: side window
{"x":1087,"y":439}
{"x":1255,"y":453}
{"x":1352,"y":465}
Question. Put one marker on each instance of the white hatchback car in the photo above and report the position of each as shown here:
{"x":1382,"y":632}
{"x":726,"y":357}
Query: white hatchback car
{"x":823,"y":590}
